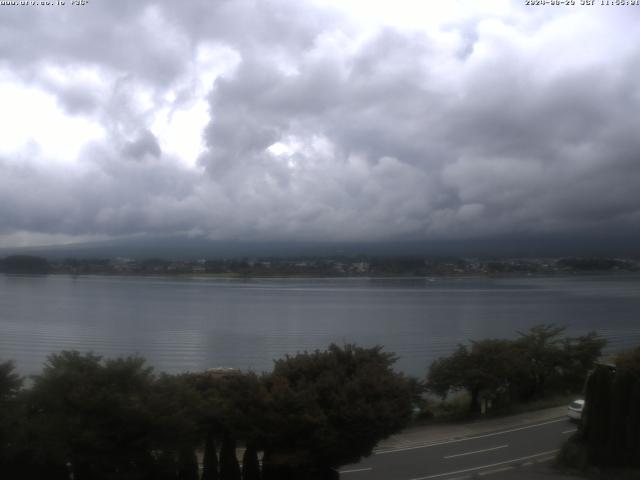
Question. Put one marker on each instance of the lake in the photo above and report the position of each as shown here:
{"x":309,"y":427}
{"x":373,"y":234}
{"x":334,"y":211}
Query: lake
{"x":182,"y":324}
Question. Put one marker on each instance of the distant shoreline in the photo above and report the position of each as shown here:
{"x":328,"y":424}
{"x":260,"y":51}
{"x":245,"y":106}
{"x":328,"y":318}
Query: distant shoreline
{"x":323,"y":267}
{"x":232,"y":276}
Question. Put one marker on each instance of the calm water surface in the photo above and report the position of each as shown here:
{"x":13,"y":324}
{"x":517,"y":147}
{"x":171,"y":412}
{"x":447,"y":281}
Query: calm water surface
{"x":182,"y":324}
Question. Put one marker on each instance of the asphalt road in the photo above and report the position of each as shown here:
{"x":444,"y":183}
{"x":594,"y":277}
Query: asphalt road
{"x":466,"y":457}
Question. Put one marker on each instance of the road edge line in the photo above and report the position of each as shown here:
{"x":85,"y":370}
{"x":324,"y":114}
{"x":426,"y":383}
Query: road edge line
{"x":485,"y":466}
{"x":446,"y":442}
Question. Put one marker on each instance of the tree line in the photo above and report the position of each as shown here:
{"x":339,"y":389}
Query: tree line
{"x":87,"y":418}
{"x":339,"y":265}
{"x":536,"y":364}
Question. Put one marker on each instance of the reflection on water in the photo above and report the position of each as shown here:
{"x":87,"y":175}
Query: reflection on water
{"x":183,"y":324}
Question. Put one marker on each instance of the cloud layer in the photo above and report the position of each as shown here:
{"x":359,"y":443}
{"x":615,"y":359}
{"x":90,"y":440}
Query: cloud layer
{"x":280,"y":119}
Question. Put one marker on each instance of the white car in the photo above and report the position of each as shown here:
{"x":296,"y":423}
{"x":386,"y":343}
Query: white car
{"x":575,"y":410}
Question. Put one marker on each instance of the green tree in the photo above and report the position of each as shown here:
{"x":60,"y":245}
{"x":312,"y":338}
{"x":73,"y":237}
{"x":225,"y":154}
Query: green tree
{"x":629,"y":361}
{"x":539,"y":361}
{"x":624,"y":428}
{"x":329,"y":408}
{"x":175,"y":406}
{"x":580,"y":355}
{"x":10,"y":381}
{"x":552,"y":363}
{"x":233,"y":402}
{"x":597,"y":412}
{"x":611,"y":420}
{"x":486,"y":370}
{"x":92,"y":414}
{"x":11,"y":418}
{"x":541,"y":356}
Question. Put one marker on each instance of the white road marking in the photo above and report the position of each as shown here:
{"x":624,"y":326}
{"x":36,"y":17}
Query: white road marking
{"x":356,"y":470}
{"x":569,"y":431}
{"x":495,"y":470}
{"x":543,"y":460}
{"x":477,"y":451}
{"x":470,"y":438}
{"x":485,"y":466}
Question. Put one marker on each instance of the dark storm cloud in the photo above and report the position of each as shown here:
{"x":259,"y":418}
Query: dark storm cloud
{"x":499,"y":150}
{"x":321,"y":130}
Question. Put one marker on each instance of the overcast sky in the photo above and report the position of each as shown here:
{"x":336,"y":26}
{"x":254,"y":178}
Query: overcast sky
{"x":317,"y":120}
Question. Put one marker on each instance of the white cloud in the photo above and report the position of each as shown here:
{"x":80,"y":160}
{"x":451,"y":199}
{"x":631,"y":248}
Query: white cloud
{"x":31,"y":119}
{"x":184,"y":112}
{"x":416,"y":14}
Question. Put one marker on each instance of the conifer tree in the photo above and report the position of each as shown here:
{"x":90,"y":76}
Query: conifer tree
{"x":611,"y":420}
{"x":250,"y":464}
{"x":187,"y":464}
{"x":210,"y":459}
{"x":229,"y":467}
{"x":166,"y":466}
{"x":597,"y":413}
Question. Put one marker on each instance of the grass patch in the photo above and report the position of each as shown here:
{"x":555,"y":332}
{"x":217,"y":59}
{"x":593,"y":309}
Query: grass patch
{"x":456,"y":408}
{"x":539,"y":404}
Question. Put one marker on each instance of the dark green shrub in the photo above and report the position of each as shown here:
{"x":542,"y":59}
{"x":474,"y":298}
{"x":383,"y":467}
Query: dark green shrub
{"x":573,"y":454}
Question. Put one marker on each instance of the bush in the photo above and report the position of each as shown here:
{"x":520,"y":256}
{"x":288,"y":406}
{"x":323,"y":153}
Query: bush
{"x":573,"y":455}
{"x":454,"y":408}
{"x":424,"y":414}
